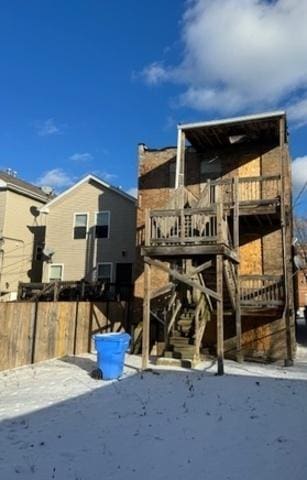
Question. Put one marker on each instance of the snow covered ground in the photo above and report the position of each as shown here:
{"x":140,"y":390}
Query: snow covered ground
{"x":56,"y":422}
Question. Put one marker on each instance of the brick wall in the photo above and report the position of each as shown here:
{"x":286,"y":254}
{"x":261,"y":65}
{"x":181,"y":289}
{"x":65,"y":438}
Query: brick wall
{"x":259,"y":254}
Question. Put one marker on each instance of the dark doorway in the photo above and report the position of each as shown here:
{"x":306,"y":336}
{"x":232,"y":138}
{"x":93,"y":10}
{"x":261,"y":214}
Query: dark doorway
{"x":124,"y":280}
{"x":123,"y":273}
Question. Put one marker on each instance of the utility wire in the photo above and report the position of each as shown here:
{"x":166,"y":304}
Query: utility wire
{"x":17,"y":248}
{"x":15,"y":263}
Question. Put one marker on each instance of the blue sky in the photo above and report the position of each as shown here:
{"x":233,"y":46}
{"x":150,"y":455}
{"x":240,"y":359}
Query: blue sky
{"x":82,"y":82}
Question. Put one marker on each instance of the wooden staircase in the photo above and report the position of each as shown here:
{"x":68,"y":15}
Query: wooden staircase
{"x":181,"y":348}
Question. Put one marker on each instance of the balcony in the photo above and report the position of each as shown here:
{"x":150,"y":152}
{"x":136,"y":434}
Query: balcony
{"x":201,"y":230}
{"x":262,"y":191}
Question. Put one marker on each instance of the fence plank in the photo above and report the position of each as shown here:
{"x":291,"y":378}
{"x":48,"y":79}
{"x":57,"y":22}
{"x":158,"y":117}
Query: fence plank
{"x":30,"y":333}
{"x":82,"y":326}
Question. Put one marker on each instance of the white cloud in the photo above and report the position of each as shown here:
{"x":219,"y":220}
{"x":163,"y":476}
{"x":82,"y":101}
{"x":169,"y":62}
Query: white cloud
{"x":56,"y":178}
{"x":240,"y":55}
{"x":81,"y":157}
{"x":299,"y":176}
{"x":133,"y":191}
{"x":297,"y":112}
{"x":155,"y":73}
{"x":48,"y":127}
{"x":107,"y":176}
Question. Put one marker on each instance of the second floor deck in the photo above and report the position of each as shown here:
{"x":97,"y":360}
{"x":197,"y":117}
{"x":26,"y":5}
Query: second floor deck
{"x":188,"y":230}
{"x":207,"y":225}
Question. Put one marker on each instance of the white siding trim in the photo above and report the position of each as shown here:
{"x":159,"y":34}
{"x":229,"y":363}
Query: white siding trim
{"x":109,"y":221}
{"x":55,"y":265}
{"x":74,"y":223}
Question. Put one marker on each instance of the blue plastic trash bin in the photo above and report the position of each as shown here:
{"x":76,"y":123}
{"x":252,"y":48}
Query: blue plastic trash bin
{"x":111,"y":349}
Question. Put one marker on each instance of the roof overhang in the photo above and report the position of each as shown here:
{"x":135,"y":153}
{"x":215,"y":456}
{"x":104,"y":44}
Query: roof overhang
{"x":22,"y":191}
{"x":88,"y":178}
{"x":264,"y":127}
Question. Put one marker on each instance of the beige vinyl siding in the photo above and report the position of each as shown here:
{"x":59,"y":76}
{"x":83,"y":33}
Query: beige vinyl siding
{"x":80,"y":256}
{"x":2,"y":209}
{"x":18,"y":240}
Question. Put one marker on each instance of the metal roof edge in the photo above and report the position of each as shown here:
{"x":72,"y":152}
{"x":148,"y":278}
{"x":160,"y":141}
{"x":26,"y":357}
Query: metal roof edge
{"x":225,"y":121}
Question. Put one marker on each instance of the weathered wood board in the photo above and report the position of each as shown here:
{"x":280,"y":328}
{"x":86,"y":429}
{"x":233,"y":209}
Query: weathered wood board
{"x":32,"y":332}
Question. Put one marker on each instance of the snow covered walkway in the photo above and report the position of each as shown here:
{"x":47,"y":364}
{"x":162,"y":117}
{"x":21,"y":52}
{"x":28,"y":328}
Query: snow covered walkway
{"x":56,"y":422}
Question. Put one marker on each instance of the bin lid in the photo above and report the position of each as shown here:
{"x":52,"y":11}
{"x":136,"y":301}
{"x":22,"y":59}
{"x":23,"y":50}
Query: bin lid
{"x":111,"y":335}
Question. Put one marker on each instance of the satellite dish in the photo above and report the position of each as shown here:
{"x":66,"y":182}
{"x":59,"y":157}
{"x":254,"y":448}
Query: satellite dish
{"x":298,"y":262}
{"x":237,"y":138}
{"x":47,"y":190}
{"x":48,"y":252}
{"x":34,"y":211}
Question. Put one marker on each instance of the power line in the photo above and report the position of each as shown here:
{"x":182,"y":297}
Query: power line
{"x":15,"y":263}
{"x":17,"y":248}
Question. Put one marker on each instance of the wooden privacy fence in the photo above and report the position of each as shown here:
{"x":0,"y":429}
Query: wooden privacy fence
{"x":34,"y":331}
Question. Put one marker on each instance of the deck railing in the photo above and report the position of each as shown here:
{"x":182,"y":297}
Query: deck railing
{"x":266,"y":290}
{"x":249,"y":189}
{"x":187,"y":226}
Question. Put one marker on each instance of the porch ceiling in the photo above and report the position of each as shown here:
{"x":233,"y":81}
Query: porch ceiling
{"x":222,"y":133}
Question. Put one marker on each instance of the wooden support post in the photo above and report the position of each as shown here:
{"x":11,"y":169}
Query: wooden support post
{"x":239,"y":354}
{"x":219,"y":222}
{"x":147,"y":228}
{"x":180,"y":163}
{"x":19,"y":291}
{"x":146,"y":316}
{"x":56,"y":291}
{"x":236,"y":214}
{"x":220,"y":315}
{"x":286,"y":231}
{"x":236,"y":246}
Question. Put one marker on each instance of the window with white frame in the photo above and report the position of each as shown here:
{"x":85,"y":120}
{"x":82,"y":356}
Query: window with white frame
{"x":80,"y":226}
{"x":103,"y":224}
{"x":104,"y":272}
{"x":55,"y":272}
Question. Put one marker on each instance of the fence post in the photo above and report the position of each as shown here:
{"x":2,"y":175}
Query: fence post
{"x":34,"y":313}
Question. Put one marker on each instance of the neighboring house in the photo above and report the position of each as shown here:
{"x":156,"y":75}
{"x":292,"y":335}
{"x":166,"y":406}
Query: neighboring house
{"x":20,"y":258}
{"x":216,"y":264}
{"x":300,"y":262}
{"x":90,"y":233}
{"x":302,"y":289}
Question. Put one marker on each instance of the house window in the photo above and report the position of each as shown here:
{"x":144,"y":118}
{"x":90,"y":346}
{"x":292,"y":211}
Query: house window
{"x":55,"y":272}
{"x":103,"y":224}
{"x":80,"y":225}
{"x":104,"y":272}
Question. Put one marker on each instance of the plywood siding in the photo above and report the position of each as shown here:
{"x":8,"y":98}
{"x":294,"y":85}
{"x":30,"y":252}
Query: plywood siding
{"x":80,"y":256}
{"x":251,"y":257}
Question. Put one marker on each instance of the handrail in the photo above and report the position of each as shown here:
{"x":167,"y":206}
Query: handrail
{"x":250,"y":189}
{"x":226,"y":181}
{"x":188,"y":225}
{"x":186,"y":211}
{"x":261,"y":289}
